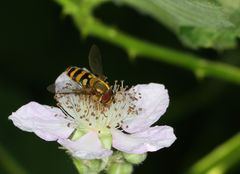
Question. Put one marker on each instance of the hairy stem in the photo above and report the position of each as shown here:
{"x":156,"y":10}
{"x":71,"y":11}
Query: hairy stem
{"x":81,"y":13}
{"x":135,"y":47}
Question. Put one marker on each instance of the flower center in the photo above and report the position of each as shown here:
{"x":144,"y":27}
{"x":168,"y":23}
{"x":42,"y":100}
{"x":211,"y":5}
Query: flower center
{"x":85,"y":113}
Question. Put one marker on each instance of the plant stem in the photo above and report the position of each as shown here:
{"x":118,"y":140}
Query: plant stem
{"x":135,"y":47}
{"x":221,"y":159}
{"x":82,"y":15}
{"x":9,"y":163}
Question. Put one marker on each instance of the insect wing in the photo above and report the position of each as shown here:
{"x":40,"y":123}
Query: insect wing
{"x":65,"y":87}
{"x":95,"y":61}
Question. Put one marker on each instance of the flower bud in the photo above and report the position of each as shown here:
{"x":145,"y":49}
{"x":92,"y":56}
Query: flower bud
{"x":88,"y":166}
{"x":135,"y":158}
{"x":80,"y":166}
{"x":120,"y":168}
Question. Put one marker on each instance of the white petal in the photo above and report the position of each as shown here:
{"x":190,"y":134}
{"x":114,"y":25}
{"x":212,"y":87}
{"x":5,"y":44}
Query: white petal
{"x":154,"y":102}
{"x":87,"y":147}
{"x":45,"y":121}
{"x":150,"y":140}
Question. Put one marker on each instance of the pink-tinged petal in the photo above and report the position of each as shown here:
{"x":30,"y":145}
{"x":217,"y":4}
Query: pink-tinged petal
{"x":150,"y":140}
{"x":87,"y":147}
{"x":45,"y":121}
{"x":153,"y":103}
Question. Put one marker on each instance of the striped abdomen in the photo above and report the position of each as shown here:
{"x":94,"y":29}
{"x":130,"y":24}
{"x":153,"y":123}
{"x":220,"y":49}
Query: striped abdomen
{"x":89,"y":81}
{"x":81,"y":76}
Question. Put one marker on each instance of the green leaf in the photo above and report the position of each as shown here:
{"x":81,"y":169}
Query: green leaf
{"x":177,"y":13}
{"x":198,"y":23}
{"x":219,"y":38}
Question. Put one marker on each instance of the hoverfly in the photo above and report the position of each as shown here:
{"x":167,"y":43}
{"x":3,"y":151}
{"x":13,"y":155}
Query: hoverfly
{"x":85,"y":82}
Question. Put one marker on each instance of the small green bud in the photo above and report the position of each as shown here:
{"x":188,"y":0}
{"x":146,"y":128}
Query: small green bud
{"x":93,"y":165}
{"x":106,"y":138}
{"x":88,"y":166}
{"x":135,"y":158}
{"x":80,"y":166}
{"x":120,"y":168}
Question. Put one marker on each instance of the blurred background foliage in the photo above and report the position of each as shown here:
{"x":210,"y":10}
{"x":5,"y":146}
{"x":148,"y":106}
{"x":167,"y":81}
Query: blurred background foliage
{"x":38,"y":41}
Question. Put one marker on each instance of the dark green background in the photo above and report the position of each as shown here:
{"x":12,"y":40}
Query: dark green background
{"x":37,"y":43}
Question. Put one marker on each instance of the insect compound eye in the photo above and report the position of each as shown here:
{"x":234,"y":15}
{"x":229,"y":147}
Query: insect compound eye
{"x":107,"y":96}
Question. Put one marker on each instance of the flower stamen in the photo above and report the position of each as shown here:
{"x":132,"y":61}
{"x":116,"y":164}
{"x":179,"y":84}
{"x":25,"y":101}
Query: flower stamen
{"x":94,"y":115}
